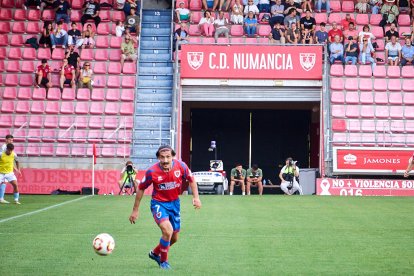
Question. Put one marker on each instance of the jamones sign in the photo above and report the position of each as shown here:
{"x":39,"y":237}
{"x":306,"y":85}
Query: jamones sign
{"x":251,"y":62}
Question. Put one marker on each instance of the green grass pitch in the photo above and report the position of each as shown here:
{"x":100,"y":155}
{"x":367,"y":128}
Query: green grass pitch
{"x":269,"y":235}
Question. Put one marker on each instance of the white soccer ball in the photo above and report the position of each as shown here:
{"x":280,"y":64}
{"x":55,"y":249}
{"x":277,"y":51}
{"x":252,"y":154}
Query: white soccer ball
{"x":103,"y":244}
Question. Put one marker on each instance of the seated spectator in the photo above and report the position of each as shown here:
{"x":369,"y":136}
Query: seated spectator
{"x":119,"y":29}
{"x":237,"y":13}
{"x":251,"y":7}
{"x":206,"y":24}
{"x":346,"y":21}
{"x":351,"y":32}
{"x":91,"y":10}
{"x":237,"y":177}
{"x":365,"y":33}
{"x":221,"y":4}
{"x":132,"y":37}
{"x":292,"y":5}
{"x":182,"y":13}
{"x":389,"y":13}
{"x":293,"y":34}
{"x":73,"y":59}
{"x":67,"y":75}
{"x":44,"y":75}
{"x":132,"y":22}
{"x":391,"y":32}
{"x":180,"y":35}
{"x":128,"y":51}
{"x":209,"y":4}
{"x":62,"y":9}
{"x":322,"y":5}
{"x":88,"y":37}
{"x":277,"y":14}
{"x":407,"y":53}
{"x":321,"y":36}
{"x":220,"y":24}
{"x":289,"y":176}
{"x":277,"y":35}
{"x":307,"y":5}
{"x":393,"y":52}
{"x":335,"y":31}
{"x":250,"y":25}
{"x":308,"y":22}
{"x":85,"y":77}
{"x":46,"y":4}
{"x":404,"y":6}
{"x":362,"y":6}
{"x":46,"y":33}
{"x":75,"y":36}
{"x":59,"y":36}
{"x":254,"y":178}
{"x":30,"y":3}
{"x":264,"y":6}
{"x":129,"y":4}
{"x":291,"y":18}
{"x":337,"y":50}
{"x":375,"y":6}
{"x":351,"y":51}
{"x":306,"y":36}
{"x":367,"y":52}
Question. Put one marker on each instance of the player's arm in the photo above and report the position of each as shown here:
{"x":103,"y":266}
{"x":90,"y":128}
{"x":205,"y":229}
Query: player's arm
{"x":135,"y":210}
{"x":409,"y":168}
{"x":196,"y":198}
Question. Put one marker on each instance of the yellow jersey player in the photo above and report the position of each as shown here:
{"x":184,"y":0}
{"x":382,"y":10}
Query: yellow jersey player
{"x":7,"y":160}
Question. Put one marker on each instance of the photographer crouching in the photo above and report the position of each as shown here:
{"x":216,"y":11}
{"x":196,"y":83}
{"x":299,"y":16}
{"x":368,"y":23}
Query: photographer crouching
{"x":128,"y":178}
{"x":289,"y":175}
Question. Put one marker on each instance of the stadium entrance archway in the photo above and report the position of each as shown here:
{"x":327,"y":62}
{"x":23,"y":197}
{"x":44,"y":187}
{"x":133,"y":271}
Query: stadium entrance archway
{"x":264,"y":134}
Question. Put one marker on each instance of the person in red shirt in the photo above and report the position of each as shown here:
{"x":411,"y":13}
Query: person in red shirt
{"x":166,"y":177}
{"x":345,"y":22}
{"x":67,"y":75}
{"x":334,"y":32}
{"x":43,"y":75}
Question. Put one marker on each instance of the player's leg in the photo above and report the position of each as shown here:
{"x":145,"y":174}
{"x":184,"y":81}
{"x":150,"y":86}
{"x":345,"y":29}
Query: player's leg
{"x":248,"y":187}
{"x":260,"y":187}
{"x":243,"y":187}
{"x":295,"y":187}
{"x":284,"y":188}
{"x":2,"y":188}
{"x":16,"y":194}
{"x":232,"y":187}
{"x":174,"y":238}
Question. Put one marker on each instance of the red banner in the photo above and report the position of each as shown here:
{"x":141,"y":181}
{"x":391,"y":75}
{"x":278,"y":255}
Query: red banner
{"x":364,"y":187}
{"x":251,"y":62}
{"x":369,"y":160}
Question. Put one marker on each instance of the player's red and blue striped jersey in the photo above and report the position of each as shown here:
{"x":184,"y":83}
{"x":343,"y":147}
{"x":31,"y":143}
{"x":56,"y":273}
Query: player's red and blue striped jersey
{"x":167,"y":185}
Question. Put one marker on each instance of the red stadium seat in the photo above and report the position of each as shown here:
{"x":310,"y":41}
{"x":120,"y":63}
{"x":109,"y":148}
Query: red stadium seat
{"x":52,"y":107}
{"x":394,"y":85}
{"x":351,"y":84}
{"x":6,"y":120}
{"x":127,"y":108}
{"x":64,"y":136}
{"x":407,"y":72}
{"x":109,"y":136}
{"x":47,"y":149}
{"x":3,"y":53}
{"x":115,"y":42}
{"x":115,"y":68}
{"x":352,"y":97}
{"x":124,"y":137}
{"x":38,"y":107}
{"x":81,"y":121}
{"x":101,"y":54}
{"x":20,"y":15}
{"x":36,"y":121}
{"x":66,"y":121}
{"x":111,"y":122}
{"x":4,"y":27}
{"x":78,"y":151}
{"x":15,"y":53}
{"x":129,"y":68}
{"x":108,"y":151}
{"x":2,"y":69}
{"x":95,"y":121}
{"x":99,"y":81}
{"x":382,"y":112}
{"x":94,"y":136}
{"x":59,"y":54}
{"x":366,"y":98}
{"x":365,"y":84}
{"x":9,"y":93}
{"x":339,"y":139}
{"x":97,"y":108}
{"x":337,"y":70}
{"x":408,"y":85}
{"x":34,"y":135}
{"x":86,"y":54}
{"x":127,"y":95}
{"x":25,"y":93}
{"x":379,"y":71}
{"x":365,"y":71}
{"x":97,"y":94}
{"x":375,"y":19}
{"x":48,"y":15}
{"x":67,"y":108}
{"x":115,"y":55}
{"x":350,"y":71}
{"x":348,"y":6}
{"x":397,"y":126}
{"x":264,"y":30}
{"x":334,"y":17}
{"x":13,"y":66}
{"x":104,"y":15}
{"x":113,"y":81}
{"x":103,"y":29}
{"x":22,"y":107}
{"x":377,"y":32}
{"x":367,"y":126}
{"x":321,"y":17}
{"x":102,"y":42}
{"x":50,"y":121}
{"x":195,"y":5}
{"x":28,"y":66}
{"x":408,"y":98}
{"x":19,"y":27}
{"x":62,"y":150}
{"x":68,"y":94}
{"x":113,"y":95}
{"x":335,"y":6}
{"x":339,"y":125}
{"x":5,"y":14}
{"x":395,"y":98}
{"x":128,"y":82}
{"x":33,"y":28}
{"x":337,"y":84}
{"x":338,"y":111}
{"x":20,"y":120}
{"x":409,"y":112}
{"x":99,"y":68}
{"x":112,"y":108}
{"x":11,"y":80}
{"x":83,"y":94}
{"x":82,"y":108}
{"x":32,"y":149}
{"x":393,"y":72}
{"x":367,"y":111}
{"x":118,"y":15}
{"x":75,"y":15}
{"x":4,"y":40}
{"x":352,"y":111}
{"x":26,"y":80}
{"x":77,"y":4}
{"x":29,"y":53}
{"x":33,"y":15}
{"x":381,"y":98}
{"x":362,"y":19}
{"x":194,"y":30}
{"x":404,"y":20}
{"x":44,"y":53}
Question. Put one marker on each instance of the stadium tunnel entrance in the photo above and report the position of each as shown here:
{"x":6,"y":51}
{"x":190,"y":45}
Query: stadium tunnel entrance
{"x":262,"y":133}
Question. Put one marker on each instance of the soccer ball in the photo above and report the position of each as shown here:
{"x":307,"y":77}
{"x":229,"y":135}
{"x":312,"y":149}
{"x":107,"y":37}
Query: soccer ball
{"x":103,"y":244}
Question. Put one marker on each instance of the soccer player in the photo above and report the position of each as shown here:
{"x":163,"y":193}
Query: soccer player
{"x":410,"y":166}
{"x":166,"y":176}
{"x":7,"y":159}
{"x":9,"y":140}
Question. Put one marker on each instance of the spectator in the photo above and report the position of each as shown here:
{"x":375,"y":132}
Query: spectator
{"x":73,"y":59}
{"x":237,"y":13}
{"x":220,"y":24}
{"x":88,"y":37}
{"x":308,"y":22}
{"x":221,"y":4}
{"x":351,"y":32}
{"x":277,"y":13}
{"x":289,"y":176}
{"x":393,"y":52}
{"x":44,"y":75}
{"x":46,"y":33}
{"x":67,"y":75}
{"x":206,"y":24}
{"x":180,"y":35}
{"x":346,"y":21}
{"x":412,"y":12}
{"x":59,"y":36}
{"x":133,"y":38}
{"x":182,"y":13}
{"x":389,"y":13}
{"x":75,"y":36}
{"x":277,"y":35}
{"x":291,"y":18}
{"x":351,"y":51}
{"x":85,"y":78}
{"x":337,"y":50}
{"x":237,"y":177}
{"x":208,"y":4}
{"x":255,"y":2}
{"x":321,"y":36}
{"x":404,"y":6}
{"x":254,"y":177}
{"x":335,"y":32}
{"x":391,"y":32}
{"x":367,"y":52}
{"x":91,"y":11}
{"x":62,"y":9}
{"x":292,"y":5}
{"x":307,"y":5}
{"x":293,"y":34}
{"x":251,"y":7}
{"x":407,"y":53}
{"x":375,"y":6}
{"x":250,"y":25}
{"x":129,"y":4}
{"x":362,"y":6}
{"x":30,"y":3}
{"x":322,"y":5}
{"x":306,"y":36}
{"x":129,"y":173}
{"x":264,"y":6}
{"x":128,"y":51}
{"x":365,"y":33}
{"x":46,"y":4}
{"x":132,"y":22}
{"x":120,"y":28}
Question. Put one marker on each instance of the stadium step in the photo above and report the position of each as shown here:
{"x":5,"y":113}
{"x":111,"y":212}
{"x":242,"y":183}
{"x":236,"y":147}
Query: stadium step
{"x":156,"y":70}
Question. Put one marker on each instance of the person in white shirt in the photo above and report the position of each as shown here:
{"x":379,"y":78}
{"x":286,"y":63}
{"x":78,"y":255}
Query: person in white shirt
{"x":365,"y":33}
{"x":251,"y":7}
{"x":206,"y":24}
{"x":120,"y":28}
{"x":289,"y":176}
{"x":393,"y":52}
{"x":182,"y":13}
{"x":237,"y":13}
{"x":221,"y":26}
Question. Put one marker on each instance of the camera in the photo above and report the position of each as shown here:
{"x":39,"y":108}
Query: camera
{"x":130,"y":169}
{"x":291,"y":162}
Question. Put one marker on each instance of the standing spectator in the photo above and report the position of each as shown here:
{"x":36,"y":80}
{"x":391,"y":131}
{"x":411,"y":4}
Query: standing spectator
{"x":277,"y":35}
{"x":264,"y":6}
{"x":132,"y":22}
{"x":291,"y":18}
{"x":346,"y":21}
{"x":120,"y":28}
{"x":337,"y":50}
{"x":375,"y":6}
{"x":237,"y":13}
{"x":322,"y":5}
{"x":75,"y":36}
{"x":351,"y":32}
{"x":220,"y":24}
{"x":44,"y":75}
{"x":351,"y":51}
{"x":391,"y":32}
{"x":292,"y":5}
{"x":180,"y":35}
{"x":73,"y":59}
{"x":237,"y":177}
{"x":277,"y":14}
{"x":30,"y":3}
{"x":254,"y":177}
{"x":293,"y":34}
{"x":182,"y":13}
{"x":128,"y":51}
{"x":88,"y":37}
{"x":335,"y":32}
{"x":59,"y":36}
{"x":206,"y":24}
{"x":365,"y":33}
{"x":67,"y":75}
{"x":407,"y":53}
{"x":91,"y":11}
{"x":321,"y":36}
{"x":46,"y":33}
{"x":362,"y":6}
{"x":389,"y":13}
{"x":393,"y":52}
{"x":250,"y":25}
{"x":367,"y":52}
{"x":308,"y":22}
{"x":46,"y":4}
{"x":251,"y":7}
{"x":62,"y":9}
{"x":85,"y":78}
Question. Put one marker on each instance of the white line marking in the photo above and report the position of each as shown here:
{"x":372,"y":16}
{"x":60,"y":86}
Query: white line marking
{"x":44,"y":209}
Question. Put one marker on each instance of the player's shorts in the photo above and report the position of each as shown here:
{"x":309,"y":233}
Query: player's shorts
{"x":67,"y":81}
{"x":7,"y":177}
{"x":167,"y":211}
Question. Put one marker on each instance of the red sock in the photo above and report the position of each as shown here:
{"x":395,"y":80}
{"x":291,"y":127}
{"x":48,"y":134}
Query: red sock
{"x":156,"y":250}
{"x":164,"y":247}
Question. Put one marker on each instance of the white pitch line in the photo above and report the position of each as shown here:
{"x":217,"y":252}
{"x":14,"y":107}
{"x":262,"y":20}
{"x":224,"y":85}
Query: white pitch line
{"x":44,"y":209}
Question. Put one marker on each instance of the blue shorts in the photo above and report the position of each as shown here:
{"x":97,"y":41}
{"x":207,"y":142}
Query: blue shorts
{"x":167,"y":210}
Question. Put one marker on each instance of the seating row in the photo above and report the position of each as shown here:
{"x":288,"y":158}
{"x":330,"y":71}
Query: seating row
{"x":380,"y":71}
{"x":373,"y":111}
{"x":75,"y":4}
{"x":352,"y":97}
{"x":372,"y":139}
{"x":364,"y":125}
{"x":365,"y":84}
